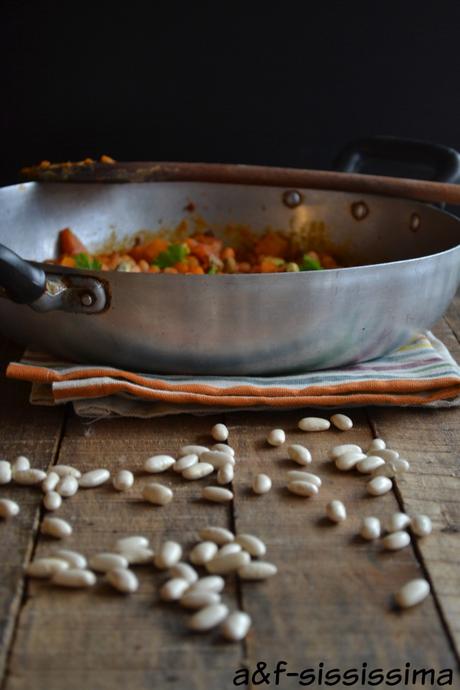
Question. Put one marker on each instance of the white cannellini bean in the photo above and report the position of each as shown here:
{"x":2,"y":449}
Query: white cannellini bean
{"x":52,"y":500}
{"x":219,"y":432}
{"x":67,"y":486}
{"x":378,"y":486}
{"x":342,"y":422}
{"x":93,"y":478}
{"x":158,"y":463}
{"x":203,"y":552}
{"x":199,"y":599}
{"x":103,"y":562}
{"x":65,"y":470}
{"x":412,"y":593}
{"x":20,"y":463}
{"x":219,"y":535}
{"x":302,"y":488}
{"x":336,"y":511}
{"x":184,"y":571}
{"x":399,"y":465}
{"x":169,"y":554}
{"x":299,"y":454}
{"x":376,"y":444}
{"x":193,"y":450}
{"x":198,"y":471}
{"x":29,"y":477}
{"x":216,"y":494}
{"x":229,"y":548}
{"x":261,"y":484}
{"x":228,"y":563}
{"x":369,"y":464}
{"x":252,"y":544}
{"x":50,"y":482}
{"x":74,"y":577}
{"x":208,"y":617}
{"x":56,"y":527}
{"x":387,"y":454}
{"x":225,"y":474}
{"x":304,"y":477}
{"x":314,"y":424}
{"x":46,"y":567}
{"x":224,"y":448}
{"x":134,"y":541}
{"x":371,"y":528}
{"x":396,"y":540}
{"x":5,"y":472}
{"x":8,"y":508}
{"x":73,"y":558}
{"x":158,"y":494}
{"x":123,"y":580}
{"x":217,"y":458}
{"x":276,"y":437}
{"x":123,"y":480}
{"x":397,"y":522}
{"x":421,"y":525}
{"x":236,"y":626}
{"x":210,"y":583}
{"x":185,"y":462}
{"x":344,"y":448}
{"x":138,"y":555}
{"x":346,"y":461}
{"x":173,"y":589}
{"x":257,"y":570}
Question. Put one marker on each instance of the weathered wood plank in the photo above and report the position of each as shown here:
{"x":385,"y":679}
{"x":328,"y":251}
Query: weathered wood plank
{"x":33,"y":432}
{"x":331,"y":601}
{"x":101,"y":639}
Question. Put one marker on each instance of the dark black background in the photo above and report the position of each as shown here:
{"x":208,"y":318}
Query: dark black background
{"x":280,"y":83}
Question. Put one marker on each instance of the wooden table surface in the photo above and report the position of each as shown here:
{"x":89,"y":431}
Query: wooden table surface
{"x":331,"y":601}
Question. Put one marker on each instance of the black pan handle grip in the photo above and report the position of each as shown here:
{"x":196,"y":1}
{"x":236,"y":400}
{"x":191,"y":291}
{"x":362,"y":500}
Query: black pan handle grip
{"x":23,"y":282}
{"x":443,"y":161}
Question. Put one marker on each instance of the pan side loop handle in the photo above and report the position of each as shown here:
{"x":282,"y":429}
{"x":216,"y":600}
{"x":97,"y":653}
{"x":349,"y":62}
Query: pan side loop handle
{"x":443,"y":161}
{"x":23,"y":282}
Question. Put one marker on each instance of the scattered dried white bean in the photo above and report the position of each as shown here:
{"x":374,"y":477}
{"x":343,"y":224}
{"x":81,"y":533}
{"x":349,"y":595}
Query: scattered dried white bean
{"x":158,"y":463}
{"x":421,"y":525}
{"x":346,"y":461}
{"x":344,"y":448}
{"x":219,"y":535}
{"x":219,"y":432}
{"x":228,"y":563}
{"x":64,"y":470}
{"x":387,"y":454}
{"x":336,"y":511}
{"x":46,"y":567}
{"x":208,"y":617}
{"x":67,"y":486}
{"x":261,"y":484}
{"x":399,"y":465}
{"x":50,"y":482}
{"x":8,"y":508}
{"x":198,"y":471}
{"x":29,"y":477}
{"x":73,"y":558}
{"x":103,"y":562}
{"x":199,"y":599}
{"x":193,"y":450}
{"x":203,"y":552}
{"x":94,"y":478}
{"x":74,"y":577}
{"x":216,"y":494}
{"x":252,"y":544}
{"x":185,"y":462}
{"x":342,"y":422}
{"x":257,"y":570}
{"x":396,"y":540}
{"x":376,"y":444}
{"x":369,"y":464}
{"x":233,"y":547}
{"x":134,"y":541}
{"x":217,"y":458}
{"x":302,"y":488}
{"x":169,"y":554}
{"x":159,"y":494}
{"x":276,"y":437}
{"x":379,"y":486}
{"x":224,"y":448}
{"x":5,"y":472}
{"x":52,"y":500}
{"x":56,"y":527}
{"x":138,"y":555}
{"x":314,"y":424}
{"x":301,"y":476}
{"x":210,"y":583}
{"x":412,"y":593}
{"x":123,"y":480}
{"x":123,"y":580}
{"x":299,"y":454}
{"x":397,"y":522}
{"x":236,"y":626}
{"x":184,"y":571}
{"x":173,"y":589}
{"x":371,"y":528}
{"x":20,"y":463}
{"x":225,"y":474}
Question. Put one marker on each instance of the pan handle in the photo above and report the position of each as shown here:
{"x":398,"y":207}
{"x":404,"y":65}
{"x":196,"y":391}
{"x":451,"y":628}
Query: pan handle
{"x":443,"y":161}
{"x":52,"y":290}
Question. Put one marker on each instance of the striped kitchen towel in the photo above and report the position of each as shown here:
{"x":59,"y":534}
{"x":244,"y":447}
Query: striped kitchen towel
{"x":422,"y":372}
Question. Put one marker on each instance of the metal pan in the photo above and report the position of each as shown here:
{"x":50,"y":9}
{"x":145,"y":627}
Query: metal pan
{"x":407,"y":272}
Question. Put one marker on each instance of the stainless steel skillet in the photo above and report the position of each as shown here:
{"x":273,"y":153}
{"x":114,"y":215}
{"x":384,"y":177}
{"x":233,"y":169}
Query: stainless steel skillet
{"x":407,"y":253}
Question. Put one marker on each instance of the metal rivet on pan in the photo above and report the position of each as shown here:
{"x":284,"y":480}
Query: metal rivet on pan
{"x":87,"y":299}
{"x":415,"y":222}
{"x":292,"y":198}
{"x":359,"y":210}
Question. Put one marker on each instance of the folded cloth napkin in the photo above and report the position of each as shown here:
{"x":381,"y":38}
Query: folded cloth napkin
{"x":422,"y":372}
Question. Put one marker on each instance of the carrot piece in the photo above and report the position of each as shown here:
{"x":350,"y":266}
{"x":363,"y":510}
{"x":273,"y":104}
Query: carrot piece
{"x":227,"y":253}
{"x":272,"y":244}
{"x":67,"y":261}
{"x":149,"y":251}
{"x":70,"y":244}
{"x":268,"y":266}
